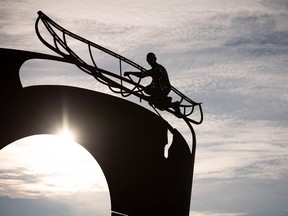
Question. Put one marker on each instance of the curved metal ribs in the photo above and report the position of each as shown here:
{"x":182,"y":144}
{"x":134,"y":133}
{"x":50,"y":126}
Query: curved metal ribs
{"x":124,"y":86}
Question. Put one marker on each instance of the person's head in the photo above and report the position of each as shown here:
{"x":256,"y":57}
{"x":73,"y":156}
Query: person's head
{"x":151,"y":58}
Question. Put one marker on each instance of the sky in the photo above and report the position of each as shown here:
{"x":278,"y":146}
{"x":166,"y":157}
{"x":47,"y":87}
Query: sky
{"x":230,"y":55}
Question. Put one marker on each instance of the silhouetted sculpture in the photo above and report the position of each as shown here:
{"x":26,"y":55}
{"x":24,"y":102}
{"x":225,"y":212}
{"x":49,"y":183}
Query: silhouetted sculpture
{"x":141,"y":180}
{"x":160,"y":85}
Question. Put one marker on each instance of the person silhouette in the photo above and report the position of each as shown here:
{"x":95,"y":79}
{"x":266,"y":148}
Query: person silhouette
{"x":160,"y":86}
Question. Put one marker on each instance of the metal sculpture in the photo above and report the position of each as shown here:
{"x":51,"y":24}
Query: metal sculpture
{"x":140,"y":179}
{"x":120,"y":85}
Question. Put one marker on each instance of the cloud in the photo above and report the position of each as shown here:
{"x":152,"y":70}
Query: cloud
{"x":15,"y":181}
{"x":232,"y":57}
{"x":228,"y":148}
{"x":27,"y":170}
{"x":277,"y":4}
{"x":259,"y":31}
{"x":207,"y":213}
{"x":33,"y":207}
{"x":251,"y":197}
{"x":19,"y":174}
{"x":252,"y":89}
{"x":88,"y":203}
{"x":24,"y":191}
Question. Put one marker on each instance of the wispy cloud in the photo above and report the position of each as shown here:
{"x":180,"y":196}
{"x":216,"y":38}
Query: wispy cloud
{"x":246,"y":196}
{"x":207,"y":213}
{"x":12,"y":181}
{"x":228,"y":145}
{"x":230,"y":56}
{"x":33,"y":207}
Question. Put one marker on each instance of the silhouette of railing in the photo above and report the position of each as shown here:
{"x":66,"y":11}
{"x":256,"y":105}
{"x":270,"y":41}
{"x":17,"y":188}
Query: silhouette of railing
{"x":125,"y":86}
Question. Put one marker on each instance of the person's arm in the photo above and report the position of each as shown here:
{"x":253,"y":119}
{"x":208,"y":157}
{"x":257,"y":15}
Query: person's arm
{"x":137,"y":74}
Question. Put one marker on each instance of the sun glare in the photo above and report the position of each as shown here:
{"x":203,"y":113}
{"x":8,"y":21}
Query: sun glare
{"x":66,"y":134}
{"x":53,"y":166}
{"x":63,"y":165}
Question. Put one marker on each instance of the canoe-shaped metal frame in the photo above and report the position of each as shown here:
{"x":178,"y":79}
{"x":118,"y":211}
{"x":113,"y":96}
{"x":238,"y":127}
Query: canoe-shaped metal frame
{"x":103,"y":76}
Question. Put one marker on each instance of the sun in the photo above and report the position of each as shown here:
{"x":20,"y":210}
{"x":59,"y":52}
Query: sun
{"x":66,"y":134}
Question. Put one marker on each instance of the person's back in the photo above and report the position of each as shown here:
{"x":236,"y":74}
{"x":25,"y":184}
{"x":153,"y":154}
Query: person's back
{"x":160,"y":85}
